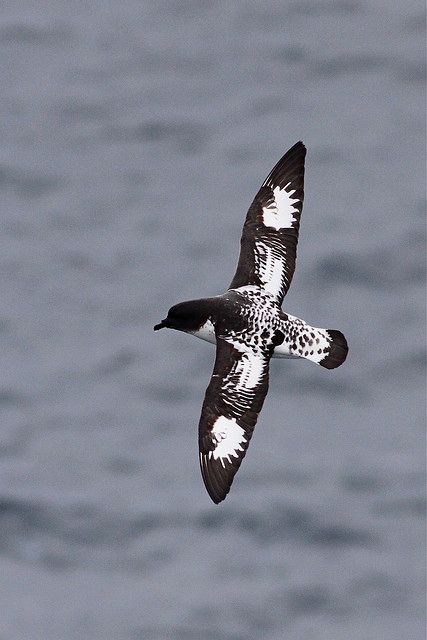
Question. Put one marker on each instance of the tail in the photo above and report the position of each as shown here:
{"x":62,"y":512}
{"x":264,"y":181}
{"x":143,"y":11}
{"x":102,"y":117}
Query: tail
{"x":327,"y":347}
{"x":337,"y":352}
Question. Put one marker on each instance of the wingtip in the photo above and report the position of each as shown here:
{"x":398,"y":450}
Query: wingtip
{"x":299,"y":145}
{"x":214,"y":485}
{"x":289,"y":167}
{"x":216,"y":498}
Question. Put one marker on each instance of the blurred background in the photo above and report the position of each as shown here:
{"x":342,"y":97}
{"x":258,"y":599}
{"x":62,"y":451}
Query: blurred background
{"x":134,"y":136}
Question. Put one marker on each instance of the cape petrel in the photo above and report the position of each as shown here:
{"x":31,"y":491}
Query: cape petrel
{"x":249,"y":327}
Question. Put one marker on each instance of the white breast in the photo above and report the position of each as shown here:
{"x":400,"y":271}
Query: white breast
{"x":206,"y":332}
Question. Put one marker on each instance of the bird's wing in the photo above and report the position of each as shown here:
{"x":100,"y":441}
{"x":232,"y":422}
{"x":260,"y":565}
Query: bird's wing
{"x":270,"y":233}
{"x":233,"y":400}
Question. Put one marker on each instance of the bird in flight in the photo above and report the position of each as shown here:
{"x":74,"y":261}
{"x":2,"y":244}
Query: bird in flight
{"x":249,"y":327}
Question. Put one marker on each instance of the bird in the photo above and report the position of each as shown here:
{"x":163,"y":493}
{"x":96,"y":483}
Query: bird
{"x":249,"y":327}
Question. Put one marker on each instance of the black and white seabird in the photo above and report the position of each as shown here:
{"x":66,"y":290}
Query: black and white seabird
{"x":249,"y":327}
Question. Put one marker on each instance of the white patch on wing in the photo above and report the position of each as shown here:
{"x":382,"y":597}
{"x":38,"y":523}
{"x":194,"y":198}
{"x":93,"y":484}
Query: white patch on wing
{"x":280,"y":213}
{"x":270,"y":267}
{"x":228,"y":437}
{"x":206,"y":332}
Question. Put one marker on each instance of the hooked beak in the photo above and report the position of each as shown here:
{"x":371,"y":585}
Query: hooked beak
{"x":162,"y":324}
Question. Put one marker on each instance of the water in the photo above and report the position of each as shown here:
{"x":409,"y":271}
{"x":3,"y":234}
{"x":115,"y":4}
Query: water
{"x":134,"y":136}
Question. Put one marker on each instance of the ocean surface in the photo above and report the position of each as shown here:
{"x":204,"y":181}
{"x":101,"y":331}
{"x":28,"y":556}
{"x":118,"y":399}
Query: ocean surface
{"x":134,"y":136}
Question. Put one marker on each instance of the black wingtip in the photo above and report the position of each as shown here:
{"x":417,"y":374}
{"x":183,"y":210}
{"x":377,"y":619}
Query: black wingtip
{"x":297,"y":147}
{"x":216,"y":486}
{"x":215,"y":499}
{"x":289,"y":168}
{"x":299,"y":144}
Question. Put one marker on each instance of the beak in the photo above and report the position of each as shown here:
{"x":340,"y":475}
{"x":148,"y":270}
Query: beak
{"x":162,"y":324}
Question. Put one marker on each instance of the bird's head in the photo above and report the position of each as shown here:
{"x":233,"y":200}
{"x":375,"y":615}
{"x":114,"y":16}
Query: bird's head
{"x":185,"y":316}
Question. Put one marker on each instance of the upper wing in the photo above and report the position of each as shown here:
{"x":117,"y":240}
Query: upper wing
{"x":270,"y":233}
{"x":233,"y":400}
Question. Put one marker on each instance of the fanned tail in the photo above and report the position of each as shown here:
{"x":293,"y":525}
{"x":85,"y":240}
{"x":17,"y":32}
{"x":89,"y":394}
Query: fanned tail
{"x":327,"y":347}
{"x":338,"y":350}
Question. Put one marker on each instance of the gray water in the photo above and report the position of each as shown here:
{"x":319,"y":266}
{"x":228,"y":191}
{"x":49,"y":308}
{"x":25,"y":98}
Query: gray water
{"x":133,"y":138}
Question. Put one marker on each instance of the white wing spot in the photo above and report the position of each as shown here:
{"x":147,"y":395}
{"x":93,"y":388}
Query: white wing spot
{"x":280,"y":213}
{"x":228,"y":437}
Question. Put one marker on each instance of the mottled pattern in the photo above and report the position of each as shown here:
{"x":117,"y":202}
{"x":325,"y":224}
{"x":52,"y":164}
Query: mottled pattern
{"x":300,"y":340}
{"x":303,"y":341}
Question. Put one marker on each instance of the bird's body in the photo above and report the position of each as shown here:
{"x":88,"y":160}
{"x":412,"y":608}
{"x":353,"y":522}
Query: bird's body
{"x":249,"y":327}
{"x":260,"y":312}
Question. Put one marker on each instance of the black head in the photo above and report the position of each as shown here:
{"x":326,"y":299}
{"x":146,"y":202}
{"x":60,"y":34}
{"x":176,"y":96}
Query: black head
{"x":185,"y":316}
